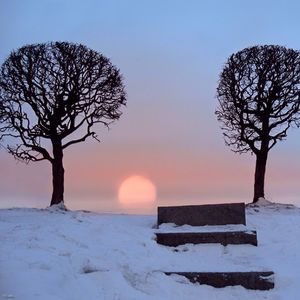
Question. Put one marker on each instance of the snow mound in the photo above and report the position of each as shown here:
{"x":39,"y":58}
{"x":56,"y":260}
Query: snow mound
{"x":263,"y":203}
{"x":50,"y":255}
{"x":57,"y":207}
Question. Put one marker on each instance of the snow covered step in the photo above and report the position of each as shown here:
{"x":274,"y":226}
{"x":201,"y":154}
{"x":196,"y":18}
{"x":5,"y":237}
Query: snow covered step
{"x":230,"y":237}
{"x":171,"y":227}
{"x":200,"y":215}
{"x":249,"y":280}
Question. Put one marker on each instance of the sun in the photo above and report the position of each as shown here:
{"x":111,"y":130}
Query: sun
{"x":136,"y":190}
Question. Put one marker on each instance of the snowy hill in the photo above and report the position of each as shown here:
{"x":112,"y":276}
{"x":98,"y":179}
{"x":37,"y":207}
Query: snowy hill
{"x":63,"y":255}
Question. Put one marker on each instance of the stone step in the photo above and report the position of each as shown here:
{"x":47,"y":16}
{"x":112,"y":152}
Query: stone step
{"x":174,"y":239}
{"x":200,"y":215}
{"x":249,"y":280}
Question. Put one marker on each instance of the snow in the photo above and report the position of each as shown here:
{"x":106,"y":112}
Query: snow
{"x":263,"y":202}
{"x":57,"y":207}
{"x":169,"y":227}
{"x":54,"y":254}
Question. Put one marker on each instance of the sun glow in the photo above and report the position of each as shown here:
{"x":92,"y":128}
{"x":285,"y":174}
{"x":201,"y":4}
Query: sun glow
{"x":136,"y":190}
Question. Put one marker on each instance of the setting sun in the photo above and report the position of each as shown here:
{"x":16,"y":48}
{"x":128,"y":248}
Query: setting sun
{"x":136,"y":190}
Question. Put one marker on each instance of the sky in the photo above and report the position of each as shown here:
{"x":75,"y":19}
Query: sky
{"x":170,"y":54}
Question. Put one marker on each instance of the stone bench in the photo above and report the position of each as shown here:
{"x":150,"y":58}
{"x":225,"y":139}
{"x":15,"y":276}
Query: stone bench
{"x":175,"y":239}
{"x":249,"y":280}
{"x":200,"y":215}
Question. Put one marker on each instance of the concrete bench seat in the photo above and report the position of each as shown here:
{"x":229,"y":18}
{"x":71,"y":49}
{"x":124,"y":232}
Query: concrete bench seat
{"x":249,"y":280}
{"x":200,"y":215}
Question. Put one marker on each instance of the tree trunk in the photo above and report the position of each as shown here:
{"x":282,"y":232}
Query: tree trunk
{"x":259,"y":177}
{"x":57,"y":173}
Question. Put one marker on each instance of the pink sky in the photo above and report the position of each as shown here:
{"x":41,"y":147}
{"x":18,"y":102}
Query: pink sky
{"x":170,"y":54}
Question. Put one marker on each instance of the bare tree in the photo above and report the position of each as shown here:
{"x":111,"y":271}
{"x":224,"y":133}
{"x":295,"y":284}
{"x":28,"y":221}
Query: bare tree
{"x":259,"y":94}
{"x":51,"y":97}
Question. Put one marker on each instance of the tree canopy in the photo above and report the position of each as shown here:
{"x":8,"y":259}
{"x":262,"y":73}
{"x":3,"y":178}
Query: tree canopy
{"x":54,"y":94}
{"x":259,"y":100}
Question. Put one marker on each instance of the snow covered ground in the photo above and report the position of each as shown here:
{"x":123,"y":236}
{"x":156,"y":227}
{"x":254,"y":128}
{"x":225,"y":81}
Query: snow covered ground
{"x":56,"y":255}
